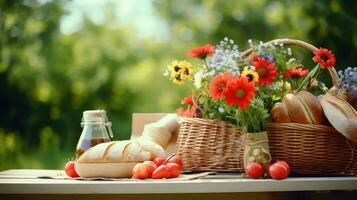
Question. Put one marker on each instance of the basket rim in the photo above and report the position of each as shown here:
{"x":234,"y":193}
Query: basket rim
{"x":299,"y":43}
{"x":204,"y":121}
{"x":289,"y":125}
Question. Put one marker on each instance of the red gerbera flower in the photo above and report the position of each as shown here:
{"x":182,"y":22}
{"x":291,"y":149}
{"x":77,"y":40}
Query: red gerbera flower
{"x":201,"y":52}
{"x":187,"y":100}
{"x":185,"y":113}
{"x":325,"y":57}
{"x":191,"y":111}
{"x":296,"y":72}
{"x":266,"y":70}
{"x":240,"y":92}
{"x":217,"y":87}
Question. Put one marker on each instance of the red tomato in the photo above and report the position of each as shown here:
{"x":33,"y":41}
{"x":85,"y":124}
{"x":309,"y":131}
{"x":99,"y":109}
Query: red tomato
{"x":254,"y":170}
{"x":70,"y":170}
{"x":278,"y":171}
{"x":176,"y":160}
{"x":140,"y":171}
{"x":160,"y":172}
{"x":150,"y":167}
{"x":173,"y":169}
{"x":267,"y":168}
{"x":285,"y":164}
{"x":159,"y":160}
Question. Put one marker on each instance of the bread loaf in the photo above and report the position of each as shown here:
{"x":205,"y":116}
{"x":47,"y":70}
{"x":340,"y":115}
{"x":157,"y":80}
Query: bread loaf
{"x":351,"y":98}
{"x":302,"y":108}
{"x":341,"y":114}
{"x":120,"y":152}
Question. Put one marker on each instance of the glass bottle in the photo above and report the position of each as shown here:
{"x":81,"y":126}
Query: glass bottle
{"x":95,"y":130}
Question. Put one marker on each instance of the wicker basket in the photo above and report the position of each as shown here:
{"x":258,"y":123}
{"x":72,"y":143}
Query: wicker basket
{"x":207,"y":145}
{"x":312,"y":149}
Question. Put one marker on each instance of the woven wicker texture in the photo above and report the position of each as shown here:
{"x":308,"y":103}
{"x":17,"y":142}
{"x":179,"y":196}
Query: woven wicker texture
{"x":207,"y":145}
{"x":312,"y":149}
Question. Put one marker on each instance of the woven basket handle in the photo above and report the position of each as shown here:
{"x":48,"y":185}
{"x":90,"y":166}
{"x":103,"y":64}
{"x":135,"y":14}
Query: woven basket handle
{"x":299,"y":43}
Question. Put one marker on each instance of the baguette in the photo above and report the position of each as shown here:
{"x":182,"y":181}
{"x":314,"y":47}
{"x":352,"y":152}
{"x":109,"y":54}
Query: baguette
{"x":115,"y":152}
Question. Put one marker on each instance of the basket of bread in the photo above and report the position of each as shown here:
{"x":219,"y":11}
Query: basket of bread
{"x":261,"y":105}
{"x":318,"y":135}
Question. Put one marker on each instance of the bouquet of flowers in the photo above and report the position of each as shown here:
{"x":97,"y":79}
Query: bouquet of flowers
{"x":228,"y":85}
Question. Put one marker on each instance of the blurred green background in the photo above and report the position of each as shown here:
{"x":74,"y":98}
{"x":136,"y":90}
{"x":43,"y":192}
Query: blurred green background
{"x":59,"y":58}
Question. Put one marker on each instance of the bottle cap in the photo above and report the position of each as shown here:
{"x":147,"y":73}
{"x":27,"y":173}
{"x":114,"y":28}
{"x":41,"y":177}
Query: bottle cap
{"x":99,"y":116}
{"x":94,"y":116}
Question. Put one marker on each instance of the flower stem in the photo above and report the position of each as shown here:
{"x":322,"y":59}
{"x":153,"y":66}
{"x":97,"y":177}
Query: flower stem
{"x":205,"y":62}
{"x":309,"y":77}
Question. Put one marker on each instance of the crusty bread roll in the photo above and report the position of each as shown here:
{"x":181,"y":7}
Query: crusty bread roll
{"x":312,"y":106}
{"x":340,"y":114}
{"x":302,"y":108}
{"x":296,"y":110}
{"x":350,"y":98}
{"x":115,"y":152}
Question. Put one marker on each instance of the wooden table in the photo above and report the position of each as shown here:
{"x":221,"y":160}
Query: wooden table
{"x":25,"y":184}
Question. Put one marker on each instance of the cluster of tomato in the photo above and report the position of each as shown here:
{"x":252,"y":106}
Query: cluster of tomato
{"x":171,"y":167}
{"x":278,"y":171}
{"x":159,"y":168}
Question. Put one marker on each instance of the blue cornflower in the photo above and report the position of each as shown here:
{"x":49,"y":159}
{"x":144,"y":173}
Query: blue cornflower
{"x":264,"y":52}
{"x":267,"y":56}
{"x":225,"y":57}
{"x":348,"y":80}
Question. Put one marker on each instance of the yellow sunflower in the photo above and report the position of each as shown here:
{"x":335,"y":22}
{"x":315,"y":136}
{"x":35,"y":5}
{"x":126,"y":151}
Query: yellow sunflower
{"x":252,"y":75}
{"x":180,"y":71}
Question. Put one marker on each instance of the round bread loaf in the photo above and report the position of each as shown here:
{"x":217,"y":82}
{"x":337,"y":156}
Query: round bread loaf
{"x":302,"y":108}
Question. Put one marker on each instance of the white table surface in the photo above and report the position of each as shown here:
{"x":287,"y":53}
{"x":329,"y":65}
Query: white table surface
{"x":25,"y":182}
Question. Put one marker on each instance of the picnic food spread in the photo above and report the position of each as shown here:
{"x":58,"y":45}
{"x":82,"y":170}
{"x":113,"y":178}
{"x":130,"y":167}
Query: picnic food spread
{"x":260,"y":112}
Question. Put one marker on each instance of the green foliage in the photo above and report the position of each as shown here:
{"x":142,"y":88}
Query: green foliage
{"x":253,"y":119}
{"x":47,"y":78}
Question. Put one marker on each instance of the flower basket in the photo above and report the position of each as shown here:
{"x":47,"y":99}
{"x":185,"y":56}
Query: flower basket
{"x":208,"y":145}
{"x":237,"y":92}
{"x":312,"y":149}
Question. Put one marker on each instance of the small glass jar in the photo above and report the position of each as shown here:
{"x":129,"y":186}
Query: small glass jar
{"x":95,"y":130}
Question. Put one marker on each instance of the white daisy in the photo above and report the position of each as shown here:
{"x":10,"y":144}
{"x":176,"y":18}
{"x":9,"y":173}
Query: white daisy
{"x":198,"y":79}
